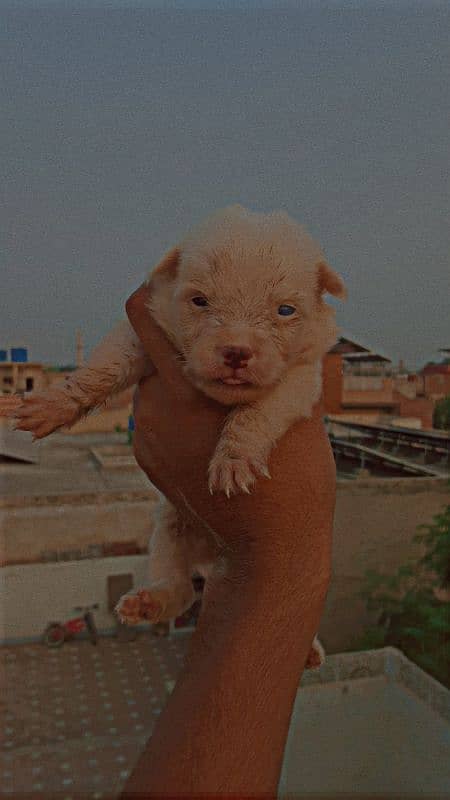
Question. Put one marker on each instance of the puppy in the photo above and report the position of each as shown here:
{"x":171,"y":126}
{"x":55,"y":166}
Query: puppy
{"x":242,"y":300}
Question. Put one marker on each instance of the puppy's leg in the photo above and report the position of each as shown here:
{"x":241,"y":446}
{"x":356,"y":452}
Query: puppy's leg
{"x":176,"y":550}
{"x":118,"y":362}
{"x":250,"y":432}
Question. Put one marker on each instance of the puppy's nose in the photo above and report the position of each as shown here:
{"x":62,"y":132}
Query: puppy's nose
{"x":236,"y":357}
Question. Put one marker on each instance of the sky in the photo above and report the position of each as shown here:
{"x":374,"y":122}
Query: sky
{"x":121,"y":127}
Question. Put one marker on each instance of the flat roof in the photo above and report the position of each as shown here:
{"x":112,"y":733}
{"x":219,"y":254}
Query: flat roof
{"x":21,"y":364}
{"x":68,"y":465}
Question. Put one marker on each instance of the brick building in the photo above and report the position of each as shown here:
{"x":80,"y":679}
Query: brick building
{"x":436,"y":378}
{"x":362,"y":385}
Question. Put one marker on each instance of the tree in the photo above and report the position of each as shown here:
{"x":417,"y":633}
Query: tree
{"x":441,"y":414}
{"x":413,"y":605}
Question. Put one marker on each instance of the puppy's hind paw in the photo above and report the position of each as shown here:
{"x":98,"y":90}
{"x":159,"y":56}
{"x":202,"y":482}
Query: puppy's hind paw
{"x":141,"y":606}
{"x":316,"y":655}
{"x":234,"y":475}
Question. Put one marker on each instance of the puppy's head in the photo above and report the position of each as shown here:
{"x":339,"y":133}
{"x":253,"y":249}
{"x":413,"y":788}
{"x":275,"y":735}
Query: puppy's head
{"x":242,"y":300}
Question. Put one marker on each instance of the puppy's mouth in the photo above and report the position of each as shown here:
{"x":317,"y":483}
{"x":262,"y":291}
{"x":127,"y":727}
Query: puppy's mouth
{"x":232,"y":381}
{"x":228,"y":389}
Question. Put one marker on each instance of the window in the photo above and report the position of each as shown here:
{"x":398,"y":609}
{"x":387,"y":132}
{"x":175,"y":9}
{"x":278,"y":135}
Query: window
{"x":29,"y":383}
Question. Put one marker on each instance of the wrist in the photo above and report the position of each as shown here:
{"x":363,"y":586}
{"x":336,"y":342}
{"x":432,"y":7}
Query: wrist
{"x":269,"y":595}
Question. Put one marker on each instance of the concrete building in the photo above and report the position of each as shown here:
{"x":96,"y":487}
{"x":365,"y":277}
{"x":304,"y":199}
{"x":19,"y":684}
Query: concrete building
{"x":19,"y":377}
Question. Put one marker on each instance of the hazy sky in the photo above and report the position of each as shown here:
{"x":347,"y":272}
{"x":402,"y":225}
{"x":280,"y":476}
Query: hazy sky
{"x":120,"y":128}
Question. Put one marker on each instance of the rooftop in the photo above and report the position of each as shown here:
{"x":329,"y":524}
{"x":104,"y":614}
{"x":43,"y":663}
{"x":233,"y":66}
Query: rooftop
{"x":77,"y":718}
{"x":346,"y":345}
{"x":362,"y":357}
{"x":83,"y":466}
{"x":69,"y":464}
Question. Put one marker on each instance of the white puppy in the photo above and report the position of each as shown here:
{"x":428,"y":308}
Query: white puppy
{"x":242,"y":300}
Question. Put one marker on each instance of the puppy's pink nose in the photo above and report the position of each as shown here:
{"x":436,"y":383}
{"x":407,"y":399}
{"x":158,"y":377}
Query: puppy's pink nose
{"x":236,"y":357}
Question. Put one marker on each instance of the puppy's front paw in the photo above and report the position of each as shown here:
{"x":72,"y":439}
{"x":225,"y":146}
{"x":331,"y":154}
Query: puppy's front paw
{"x":234,"y":473}
{"x":44,"y":413}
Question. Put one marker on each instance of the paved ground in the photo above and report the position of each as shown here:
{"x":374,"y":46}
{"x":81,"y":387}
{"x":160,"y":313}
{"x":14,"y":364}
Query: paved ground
{"x":74,"y":720}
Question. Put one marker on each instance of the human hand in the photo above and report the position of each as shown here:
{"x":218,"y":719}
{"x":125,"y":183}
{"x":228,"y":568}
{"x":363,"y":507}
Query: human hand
{"x":177,"y":429}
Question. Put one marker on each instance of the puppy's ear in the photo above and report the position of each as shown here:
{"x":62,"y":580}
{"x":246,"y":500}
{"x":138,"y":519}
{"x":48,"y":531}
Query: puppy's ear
{"x":329,"y":281}
{"x":167,"y":269}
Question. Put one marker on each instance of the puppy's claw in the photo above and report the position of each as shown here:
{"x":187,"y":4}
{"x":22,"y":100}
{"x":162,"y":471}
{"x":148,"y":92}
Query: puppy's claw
{"x":231,"y":474}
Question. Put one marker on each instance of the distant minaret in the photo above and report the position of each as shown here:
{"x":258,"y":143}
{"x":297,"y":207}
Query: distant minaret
{"x":79,"y":350}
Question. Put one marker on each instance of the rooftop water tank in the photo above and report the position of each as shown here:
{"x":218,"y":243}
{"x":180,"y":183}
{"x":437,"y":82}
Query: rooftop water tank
{"x":19,"y":355}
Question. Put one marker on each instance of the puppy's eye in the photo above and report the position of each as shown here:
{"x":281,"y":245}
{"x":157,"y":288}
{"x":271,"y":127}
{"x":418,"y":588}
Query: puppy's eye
{"x":200,"y":301}
{"x":286,"y":311}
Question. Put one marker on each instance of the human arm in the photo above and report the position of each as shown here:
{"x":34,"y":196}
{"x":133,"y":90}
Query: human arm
{"x":225,"y":725}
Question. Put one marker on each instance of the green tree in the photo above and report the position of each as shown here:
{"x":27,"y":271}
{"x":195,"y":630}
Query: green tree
{"x":412,"y":606}
{"x":441,"y":414}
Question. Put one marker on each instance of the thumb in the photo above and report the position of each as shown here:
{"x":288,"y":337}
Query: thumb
{"x":157,"y":346}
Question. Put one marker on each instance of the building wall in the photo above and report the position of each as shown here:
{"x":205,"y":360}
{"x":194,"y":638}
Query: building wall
{"x":408,"y":385}
{"x":30,"y":527}
{"x":52,"y":591}
{"x":437,"y":385}
{"x":374,"y":524}
{"x":366,"y":417}
{"x":13,"y":377}
{"x":361,"y":390}
{"x":419,"y":407}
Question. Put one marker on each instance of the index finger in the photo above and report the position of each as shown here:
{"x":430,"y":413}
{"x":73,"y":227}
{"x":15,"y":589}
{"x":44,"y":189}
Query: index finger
{"x":160,"y":350}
